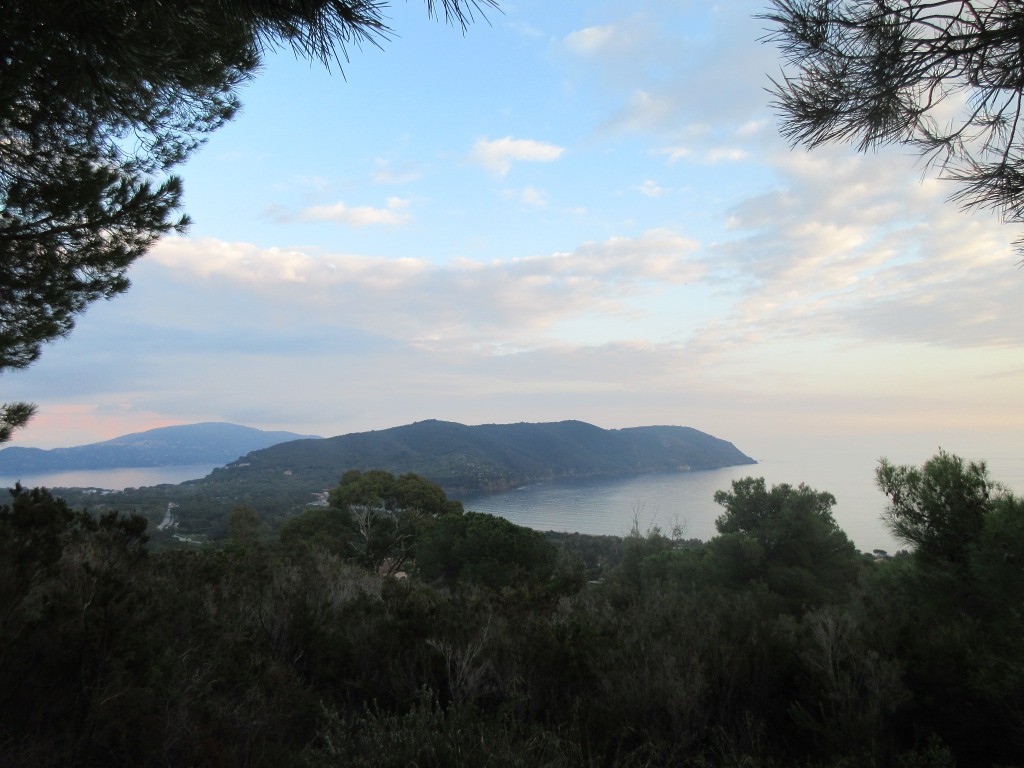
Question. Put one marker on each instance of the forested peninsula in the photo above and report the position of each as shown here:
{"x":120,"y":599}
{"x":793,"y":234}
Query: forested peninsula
{"x":494,"y":457}
{"x":285,"y":478}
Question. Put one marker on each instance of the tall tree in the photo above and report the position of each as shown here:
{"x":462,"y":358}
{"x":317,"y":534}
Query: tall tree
{"x":956,"y":604}
{"x":940,"y":508}
{"x":875,"y":72}
{"x":390,"y":513}
{"x":99,"y":101}
{"x":786,"y":537}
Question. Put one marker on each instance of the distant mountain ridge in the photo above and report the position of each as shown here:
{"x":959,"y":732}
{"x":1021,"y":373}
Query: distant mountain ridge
{"x":283,"y":479}
{"x":205,"y":443}
{"x":494,"y":456}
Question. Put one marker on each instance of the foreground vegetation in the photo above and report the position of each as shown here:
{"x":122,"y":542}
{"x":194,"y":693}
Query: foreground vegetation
{"x":393,"y":629}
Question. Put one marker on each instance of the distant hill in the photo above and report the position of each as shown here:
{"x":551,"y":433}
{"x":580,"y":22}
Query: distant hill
{"x":284,"y":478}
{"x":496,"y":456}
{"x":206,"y":443}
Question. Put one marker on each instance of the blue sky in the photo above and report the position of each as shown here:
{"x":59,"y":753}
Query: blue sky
{"x":575,"y":210}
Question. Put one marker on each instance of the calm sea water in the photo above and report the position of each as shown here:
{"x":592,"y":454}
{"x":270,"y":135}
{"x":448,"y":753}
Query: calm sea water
{"x":112,"y":479}
{"x":605,"y":506}
{"x":664,"y":499}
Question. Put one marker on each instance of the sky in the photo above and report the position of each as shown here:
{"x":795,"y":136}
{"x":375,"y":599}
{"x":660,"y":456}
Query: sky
{"x":575,"y":210}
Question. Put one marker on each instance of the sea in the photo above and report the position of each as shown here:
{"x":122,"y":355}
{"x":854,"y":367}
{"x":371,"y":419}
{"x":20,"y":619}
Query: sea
{"x":686,"y":499}
{"x":615,"y":506}
{"x":111,"y":479}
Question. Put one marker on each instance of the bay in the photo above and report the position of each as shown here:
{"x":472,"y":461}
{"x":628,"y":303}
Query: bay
{"x":111,"y":479}
{"x":608,"y":506}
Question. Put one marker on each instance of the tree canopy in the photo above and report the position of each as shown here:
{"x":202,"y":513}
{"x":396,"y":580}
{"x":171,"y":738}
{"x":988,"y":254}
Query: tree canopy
{"x":759,"y":648}
{"x":876,"y":72}
{"x":99,"y":102}
{"x":484,"y":549}
{"x":390,"y":513}
{"x":786,"y":537}
{"x":940,"y":509}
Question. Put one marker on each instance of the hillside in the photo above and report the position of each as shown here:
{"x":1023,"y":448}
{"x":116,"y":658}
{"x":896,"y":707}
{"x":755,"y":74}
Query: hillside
{"x":206,"y":443}
{"x":493,"y":457}
{"x":279,"y":480}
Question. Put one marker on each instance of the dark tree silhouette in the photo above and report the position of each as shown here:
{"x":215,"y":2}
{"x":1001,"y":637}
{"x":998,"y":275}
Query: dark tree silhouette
{"x":876,"y":72}
{"x":99,"y":101}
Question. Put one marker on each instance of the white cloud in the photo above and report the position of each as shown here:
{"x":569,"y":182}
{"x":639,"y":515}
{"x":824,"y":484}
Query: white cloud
{"x":625,"y":50}
{"x":498,"y":155}
{"x":650,"y":188}
{"x":854,"y":247}
{"x":677,"y":153}
{"x":751,"y":128}
{"x":661,"y":71}
{"x":728,"y":154}
{"x":245,"y":263}
{"x":361,"y":216}
{"x":709,"y":155}
{"x":486,"y":302}
{"x":590,"y":40}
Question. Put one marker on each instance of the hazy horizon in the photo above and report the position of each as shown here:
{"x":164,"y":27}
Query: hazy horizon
{"x":912,"y":448}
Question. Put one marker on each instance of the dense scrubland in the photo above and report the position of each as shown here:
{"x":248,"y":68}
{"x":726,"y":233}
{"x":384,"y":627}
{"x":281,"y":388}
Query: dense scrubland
{"x":392,"y":628}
